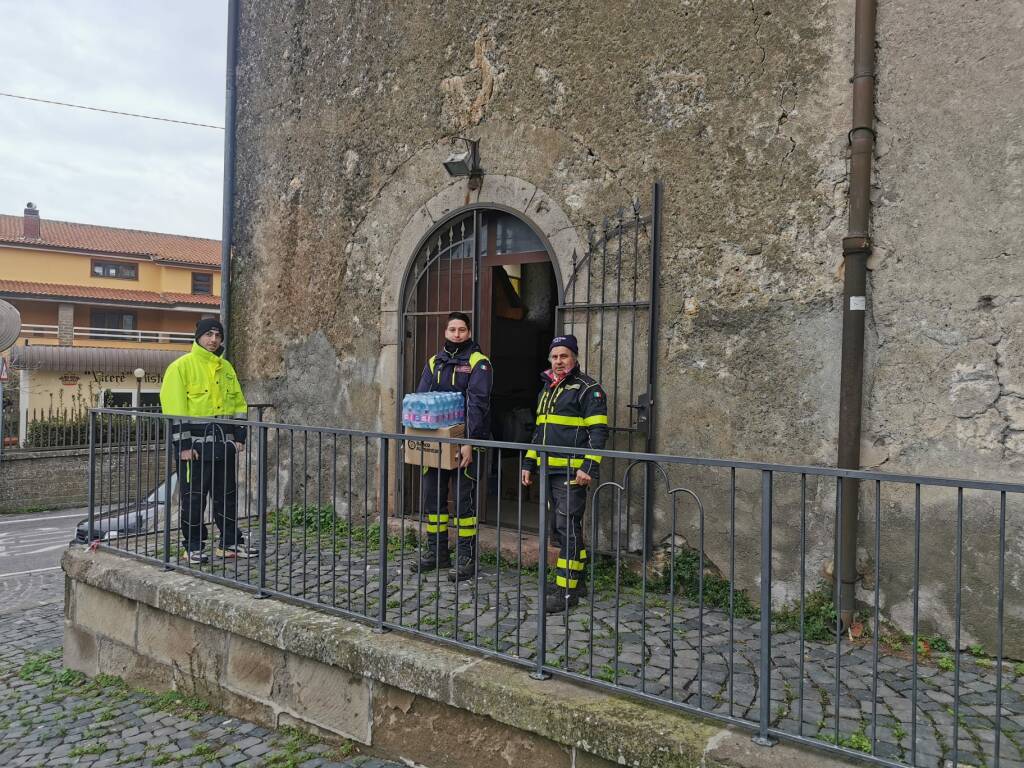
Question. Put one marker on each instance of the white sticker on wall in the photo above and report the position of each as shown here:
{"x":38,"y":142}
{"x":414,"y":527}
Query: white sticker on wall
{"x":858,"y":302}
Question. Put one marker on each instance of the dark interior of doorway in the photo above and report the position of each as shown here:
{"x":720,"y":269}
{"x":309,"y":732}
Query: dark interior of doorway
{"x":518,"y":326}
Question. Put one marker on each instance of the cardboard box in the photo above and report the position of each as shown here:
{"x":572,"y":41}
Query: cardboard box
{"x":429,"y":453}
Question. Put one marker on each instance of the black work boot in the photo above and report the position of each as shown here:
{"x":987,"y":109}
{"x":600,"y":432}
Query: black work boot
{"x":559,"y":599}
{"x":435,"y":555}
{"x":465,"y":560}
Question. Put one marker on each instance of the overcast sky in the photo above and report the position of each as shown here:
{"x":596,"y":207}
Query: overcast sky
{"x":145,"y":56}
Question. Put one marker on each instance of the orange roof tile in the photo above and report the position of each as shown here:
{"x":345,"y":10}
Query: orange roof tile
{"x":193,"y":298}
{"x":104,"y":294}
{"x":130,"y":242}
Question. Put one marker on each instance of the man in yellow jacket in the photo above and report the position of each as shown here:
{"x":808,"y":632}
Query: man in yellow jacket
{"x":202,"y":384}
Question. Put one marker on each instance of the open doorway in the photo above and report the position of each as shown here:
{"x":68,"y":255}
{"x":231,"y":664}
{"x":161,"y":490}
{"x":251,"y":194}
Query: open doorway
{"x":519,"y":295}
{"x":493,"y":266}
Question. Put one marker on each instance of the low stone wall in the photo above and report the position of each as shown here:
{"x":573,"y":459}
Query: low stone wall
{"x":279,"y":664}
{"x":31,"y":480}
{"x":59,"y":478}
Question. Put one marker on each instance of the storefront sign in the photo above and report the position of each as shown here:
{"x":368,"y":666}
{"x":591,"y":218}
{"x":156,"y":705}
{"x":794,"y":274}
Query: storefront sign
{"x":69,"y":379}
{"x":123,"y":377}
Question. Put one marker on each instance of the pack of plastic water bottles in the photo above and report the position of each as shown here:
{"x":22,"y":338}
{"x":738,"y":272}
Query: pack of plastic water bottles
{"x":433,"y":410}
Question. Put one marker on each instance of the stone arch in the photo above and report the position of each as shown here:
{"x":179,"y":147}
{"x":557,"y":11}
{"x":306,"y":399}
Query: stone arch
{"x":513,"y":194}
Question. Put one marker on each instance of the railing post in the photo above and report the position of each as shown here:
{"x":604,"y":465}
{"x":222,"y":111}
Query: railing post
{"x":171,"y":469}
{"x":382,"y":521}
{"x":765,"y":683}
{"x":3,"y":429}
{"x":542,"y":569}
{"x":92,"y":475}
{"x":261,"y":503}
{"x":138,"y":465}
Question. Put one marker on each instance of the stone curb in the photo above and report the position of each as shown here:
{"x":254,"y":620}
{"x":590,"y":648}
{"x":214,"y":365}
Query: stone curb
{"x":617,"y":728}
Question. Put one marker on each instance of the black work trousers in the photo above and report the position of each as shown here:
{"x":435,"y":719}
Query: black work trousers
{"x":566,"y":504}
{"x":436,"y":483}
{"x":211,"y":475}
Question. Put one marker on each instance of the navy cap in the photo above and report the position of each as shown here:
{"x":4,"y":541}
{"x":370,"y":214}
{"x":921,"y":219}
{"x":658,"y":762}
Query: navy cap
{"x":568,"y":341}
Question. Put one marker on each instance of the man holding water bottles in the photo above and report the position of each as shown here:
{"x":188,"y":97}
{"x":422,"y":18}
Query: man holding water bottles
{"x":459,"y":367}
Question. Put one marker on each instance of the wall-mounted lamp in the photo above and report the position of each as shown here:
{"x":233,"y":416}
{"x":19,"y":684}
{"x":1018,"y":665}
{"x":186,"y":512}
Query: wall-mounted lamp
{"x":466,"y":163}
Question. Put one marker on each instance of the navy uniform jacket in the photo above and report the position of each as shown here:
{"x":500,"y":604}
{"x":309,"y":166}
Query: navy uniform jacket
{"x":469,"y":373}
{"x":574,"y":412}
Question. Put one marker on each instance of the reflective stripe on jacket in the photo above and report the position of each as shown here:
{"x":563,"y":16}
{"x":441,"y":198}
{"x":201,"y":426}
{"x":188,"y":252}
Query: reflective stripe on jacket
{"x":573,"y":412}
{"x":201,"y":383}
{"x":469,"y":373}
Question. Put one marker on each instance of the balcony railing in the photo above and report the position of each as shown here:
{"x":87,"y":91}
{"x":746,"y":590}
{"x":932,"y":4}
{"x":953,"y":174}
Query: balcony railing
{"x":34,"y":330}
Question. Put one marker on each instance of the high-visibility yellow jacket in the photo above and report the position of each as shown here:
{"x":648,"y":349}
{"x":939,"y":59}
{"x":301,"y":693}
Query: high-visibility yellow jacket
{"x":201,"y":383}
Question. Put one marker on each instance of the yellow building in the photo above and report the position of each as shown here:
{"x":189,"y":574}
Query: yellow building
{"x":98,"y":303}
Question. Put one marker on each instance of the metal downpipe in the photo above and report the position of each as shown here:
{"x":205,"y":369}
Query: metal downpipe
{"x":228,"y":204}
{"x":856,"y":250}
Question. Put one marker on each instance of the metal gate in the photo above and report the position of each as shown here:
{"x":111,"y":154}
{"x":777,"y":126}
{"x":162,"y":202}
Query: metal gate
{"x":443,"y":279}
{"x":611,"y":306}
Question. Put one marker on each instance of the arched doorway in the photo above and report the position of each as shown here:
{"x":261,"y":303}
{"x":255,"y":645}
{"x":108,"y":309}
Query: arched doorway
{"x":497,"y":267}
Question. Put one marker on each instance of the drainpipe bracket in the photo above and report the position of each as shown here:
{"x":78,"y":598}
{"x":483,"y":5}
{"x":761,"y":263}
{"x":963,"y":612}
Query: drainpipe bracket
{"x":855,"y":245}
{"x":868,"y":128}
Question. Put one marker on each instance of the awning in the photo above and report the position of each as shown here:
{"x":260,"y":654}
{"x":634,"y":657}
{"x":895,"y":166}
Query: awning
{"x":55,"y":358}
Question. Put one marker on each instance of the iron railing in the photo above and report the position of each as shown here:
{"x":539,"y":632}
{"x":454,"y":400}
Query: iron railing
{"x":731,"y":616}
{"x":61,"y":427}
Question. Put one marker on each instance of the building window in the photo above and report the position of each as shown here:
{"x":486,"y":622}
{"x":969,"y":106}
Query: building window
{"x":116,"y":269}
{"x":202,"y":282}
{"x":150,"y":400}
{"x":114,"y":322}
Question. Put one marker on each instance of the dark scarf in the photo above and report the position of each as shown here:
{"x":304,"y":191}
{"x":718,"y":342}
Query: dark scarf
{"x":456,"y":350}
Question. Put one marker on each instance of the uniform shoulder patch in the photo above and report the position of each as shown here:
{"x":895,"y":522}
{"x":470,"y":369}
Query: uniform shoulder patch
{"x":597,"y":394}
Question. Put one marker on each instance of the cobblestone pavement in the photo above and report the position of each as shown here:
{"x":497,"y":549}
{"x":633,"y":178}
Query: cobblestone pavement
{"x":664,"y":649}
{"x":55,"y":717}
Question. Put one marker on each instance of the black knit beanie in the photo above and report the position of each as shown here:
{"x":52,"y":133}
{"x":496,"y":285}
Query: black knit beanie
{"x":209,"y":324}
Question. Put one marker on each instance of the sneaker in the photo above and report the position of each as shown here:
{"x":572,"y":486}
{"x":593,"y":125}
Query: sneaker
{"x":464,"y":568}
{"x":240,"y":549}
{"x":429,"y":561}
{"x":197,"y":557}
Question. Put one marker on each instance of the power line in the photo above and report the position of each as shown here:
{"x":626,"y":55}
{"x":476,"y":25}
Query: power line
{"x":111,"y":111}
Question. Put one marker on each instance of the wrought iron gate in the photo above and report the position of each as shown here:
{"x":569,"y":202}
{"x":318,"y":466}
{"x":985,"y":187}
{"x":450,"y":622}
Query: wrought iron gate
{"x":611,"y":306}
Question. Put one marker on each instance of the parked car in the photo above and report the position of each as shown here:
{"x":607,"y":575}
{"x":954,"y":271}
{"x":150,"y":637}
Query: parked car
{"x":111,"y":522}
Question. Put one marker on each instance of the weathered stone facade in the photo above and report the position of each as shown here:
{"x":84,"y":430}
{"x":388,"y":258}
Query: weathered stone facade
{"x":742,"y":110}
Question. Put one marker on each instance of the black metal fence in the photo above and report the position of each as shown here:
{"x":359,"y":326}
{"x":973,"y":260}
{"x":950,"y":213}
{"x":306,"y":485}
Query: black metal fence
{"x":729,"y":615}
{"x":57,"y":427}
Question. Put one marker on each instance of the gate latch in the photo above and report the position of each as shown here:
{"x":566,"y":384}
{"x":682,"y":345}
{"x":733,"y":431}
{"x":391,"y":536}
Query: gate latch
{"x":643,"y":412}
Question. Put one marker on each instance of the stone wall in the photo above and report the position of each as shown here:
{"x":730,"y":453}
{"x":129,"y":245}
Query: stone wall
{"x":742,"y":110}
{"x":280,"y":664}
{"x":56,"y":479}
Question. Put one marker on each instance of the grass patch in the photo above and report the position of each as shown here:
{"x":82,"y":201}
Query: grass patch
{"x":291,"y":749}
{"x":683,"y":579}
{"x":946,"y":662}
{"x":93,"y":749}
{"x":177,"y":703}
{"x":38,"y":667}
{"x":323,"y":522}
{"x":819,"y":616}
